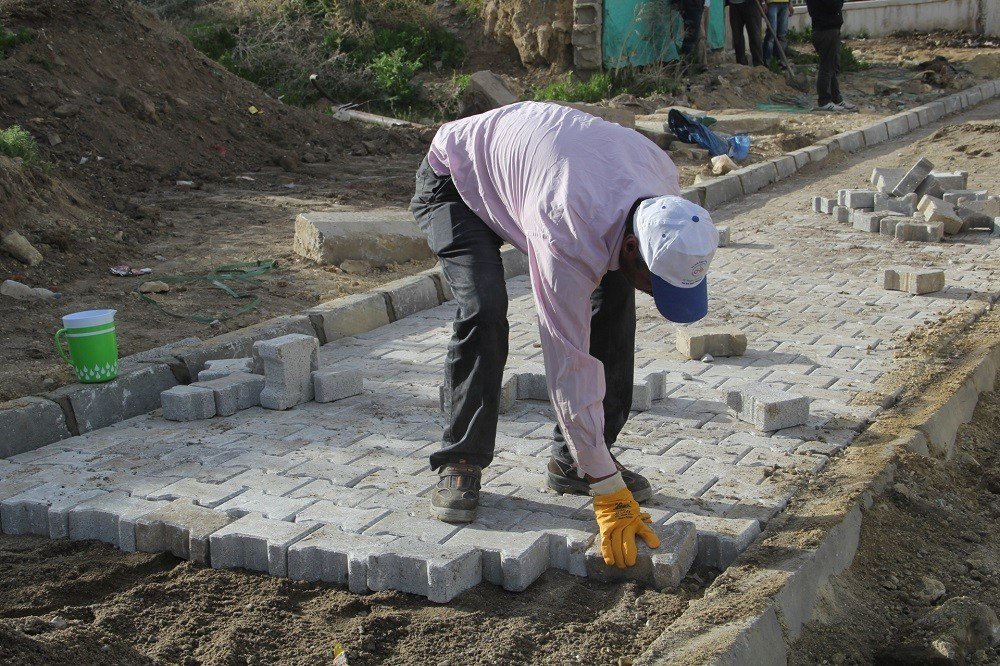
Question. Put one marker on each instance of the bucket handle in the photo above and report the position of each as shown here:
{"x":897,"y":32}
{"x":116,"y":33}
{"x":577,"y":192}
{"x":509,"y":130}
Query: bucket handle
{"x":59,"y":346}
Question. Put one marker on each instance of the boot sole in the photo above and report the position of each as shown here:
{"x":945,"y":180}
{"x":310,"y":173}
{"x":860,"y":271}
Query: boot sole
{"x":566,"y":487}
{"x":446,"y":515}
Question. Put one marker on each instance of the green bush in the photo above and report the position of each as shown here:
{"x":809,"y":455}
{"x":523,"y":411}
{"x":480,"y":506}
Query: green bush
{"x":211,"y":38}
{"x":472,"y":7}
{"x":9,"y":39}
{"x":393,"y":74}
{"x":849,"y":62}
{"x":796,"y":36}
{"x":16,"y":142}
{"x":595,"y":89}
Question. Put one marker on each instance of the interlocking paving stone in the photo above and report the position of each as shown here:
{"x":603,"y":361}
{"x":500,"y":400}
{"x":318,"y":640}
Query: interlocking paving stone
{"x":356,"y":470}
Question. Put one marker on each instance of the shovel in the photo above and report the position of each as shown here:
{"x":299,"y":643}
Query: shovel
{"x":795,"y":80}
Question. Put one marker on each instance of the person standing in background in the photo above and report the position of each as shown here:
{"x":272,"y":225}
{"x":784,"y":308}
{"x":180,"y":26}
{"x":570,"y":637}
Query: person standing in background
{"x":827,"y":17}
{"x":744,"y":16}
{"x":691,"y":12}
{"x":778,"y":12}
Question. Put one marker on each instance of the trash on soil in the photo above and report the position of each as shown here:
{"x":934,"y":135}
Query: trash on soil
{"x":689,"y":130}
{"x":124,"y":270}
{"x":723,"y":164}
{"x":20,"y":248}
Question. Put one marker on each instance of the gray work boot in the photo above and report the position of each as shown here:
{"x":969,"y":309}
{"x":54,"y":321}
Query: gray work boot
{"x":457,"y":494}
{"x":562,"y":477}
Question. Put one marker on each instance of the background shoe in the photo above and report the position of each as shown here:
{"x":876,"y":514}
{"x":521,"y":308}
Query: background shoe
{"x":847,"y":106}
{"x":830,"y":106}
{"x":562,"y":478}
{"x":456,"y":496}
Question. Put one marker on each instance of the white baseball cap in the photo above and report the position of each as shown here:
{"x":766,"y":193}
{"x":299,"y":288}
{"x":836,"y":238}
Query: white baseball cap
{"x":678,"y":240}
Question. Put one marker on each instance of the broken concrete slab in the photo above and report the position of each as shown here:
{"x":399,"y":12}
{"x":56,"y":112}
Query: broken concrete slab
{"x":29,"y":423}
{"x":488,"y":91}
{"x":380,"y":237}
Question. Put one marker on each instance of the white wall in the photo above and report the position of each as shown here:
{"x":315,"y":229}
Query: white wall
{"x":884,"y":17}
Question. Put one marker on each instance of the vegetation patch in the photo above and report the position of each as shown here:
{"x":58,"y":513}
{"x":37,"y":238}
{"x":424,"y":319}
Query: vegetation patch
{"x":9,"y":40}
{"x":17,"y":142}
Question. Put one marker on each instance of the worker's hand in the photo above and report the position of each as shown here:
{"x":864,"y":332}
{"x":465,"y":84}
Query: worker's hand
{"x":620,"y":522}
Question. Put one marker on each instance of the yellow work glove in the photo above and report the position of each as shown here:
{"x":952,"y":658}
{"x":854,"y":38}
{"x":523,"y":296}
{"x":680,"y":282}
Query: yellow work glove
{"x":620,"y":522}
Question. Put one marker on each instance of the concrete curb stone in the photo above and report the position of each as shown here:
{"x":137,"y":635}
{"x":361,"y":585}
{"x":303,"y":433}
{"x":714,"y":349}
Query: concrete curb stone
{"x":410,"y":295}
{"x":875,"y":133}
{"x":757,"y":177}
{"x":348,"y":316}
{"x":239,"y":343}
{"x":29,"y":423}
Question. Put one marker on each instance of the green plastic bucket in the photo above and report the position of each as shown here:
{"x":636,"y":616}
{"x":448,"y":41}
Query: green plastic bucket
{"x":93,"y":349}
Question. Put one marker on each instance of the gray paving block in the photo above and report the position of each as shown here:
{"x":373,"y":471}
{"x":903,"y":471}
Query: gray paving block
{"x":345,"y":518}
{"x":223,"y":367}
{"x":256,"y":543}
{"x":860,"y":199}
{"x":875,"y":133}
{"x":694,"y":342}
{"x":330,"y":385}
{"x":924,"y":232}
{"x":205,"y":494}
{"x":29,"y":423}
{"x":350,"y":315}
{"x":43,"y":510}
{"x":411,"y":295}
{"x":512,"y":559}
{"x":288,"y":362}
{"x":515,"y":262}
{"x":264,"y":504}
{"x":239,"y":343}
{"x":867,"y":221}
{"x":109,"y":518}
{"x":695,"y":195}
{"x":885,"y":179}
{"x":438,"y":572}
{"x":720,"y":540}
{"x":842,"y":214}
{"x":817,"y":152}
{"x":958,"y":195}
{"x":724,"y":236}
{"x":756,"y":177}
{"x":766,"y":407}
{"x":913,"y":280}
{"x":662,"y":568}
{"x":913,"y":177}
{"x":333,"y":556}
{"x":897,"y":125}
{"x":721,"y":190}
{"x":642,"y":397}
{"x":532,"y":383}
{"x":234,"y":392}
{"x":850,"y":141}
{"x":188,"y":403}
{"x":785,"y":166}
{"x":181,"y":528}
{"x":657,"y":383}
{"x":136,"y":391}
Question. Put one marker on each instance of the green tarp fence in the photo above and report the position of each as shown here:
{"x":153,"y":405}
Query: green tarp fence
{"x":642,"y":32}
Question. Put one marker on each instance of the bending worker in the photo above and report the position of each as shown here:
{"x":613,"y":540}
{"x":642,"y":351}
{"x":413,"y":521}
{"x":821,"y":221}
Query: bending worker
{"x":597,"y":209}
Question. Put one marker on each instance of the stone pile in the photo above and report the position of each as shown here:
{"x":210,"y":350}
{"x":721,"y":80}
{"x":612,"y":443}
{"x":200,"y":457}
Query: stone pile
{"x":283,"y":372}
{"x":915,"y":204}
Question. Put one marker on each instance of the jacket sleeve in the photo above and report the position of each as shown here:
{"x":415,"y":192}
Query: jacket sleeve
{"x":575,"y":378}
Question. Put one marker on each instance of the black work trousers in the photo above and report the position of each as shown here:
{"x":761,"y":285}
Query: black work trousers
{"x":827,"y":45}
{"x":691,"y":12}
{"x":746,"y":16}
{"x":470,"y":260}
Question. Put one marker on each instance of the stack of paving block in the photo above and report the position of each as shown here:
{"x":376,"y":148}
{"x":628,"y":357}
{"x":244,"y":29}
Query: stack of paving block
{"x":915,"y":204}
{"x":283,"y":372}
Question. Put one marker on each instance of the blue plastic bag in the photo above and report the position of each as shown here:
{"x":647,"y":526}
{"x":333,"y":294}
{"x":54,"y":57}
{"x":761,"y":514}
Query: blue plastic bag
{"x":689,"y":130}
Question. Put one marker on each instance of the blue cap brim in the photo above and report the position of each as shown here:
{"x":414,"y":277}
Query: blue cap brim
{"x":681,"y":306}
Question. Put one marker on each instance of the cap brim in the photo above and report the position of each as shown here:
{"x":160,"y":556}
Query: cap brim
{"x":680,"y":305}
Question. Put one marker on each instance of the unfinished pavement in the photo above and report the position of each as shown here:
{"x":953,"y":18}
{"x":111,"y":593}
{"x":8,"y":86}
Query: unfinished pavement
{"x":818,"y":324}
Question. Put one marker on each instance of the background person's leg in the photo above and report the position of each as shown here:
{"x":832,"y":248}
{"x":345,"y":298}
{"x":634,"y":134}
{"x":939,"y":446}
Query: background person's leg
{"x":768,"y":50}
{"x":835,"y":95}
{"x":781,"y":24}
{"x":736,"y":27}
{"x":754,"y":25}
{"x":470,"y":257}
{"x":822,"y":39}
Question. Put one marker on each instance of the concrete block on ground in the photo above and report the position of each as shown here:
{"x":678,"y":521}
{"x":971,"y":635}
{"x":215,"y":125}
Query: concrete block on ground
{"x":695,"y":195}
{"x":756,"y":177}
{"x":663,"y":568}
{"x":657,"y":383}
{"x":923,"y":232}
{"x":351,"y":315}
{"x":913,"y":280}
{"x":515,"y":262}
{"x":850,"y":141}
{"x":330,"y":385}
{"x":720,"y":540}
{"x":188,"y":403}
{"x":875,"y":133}
{"x":724,"y":236}
{"x":887,"y":225}
{"x":842,"y":214}
{"x":109,"y":518}
{"x":867,"y":221}
{"x":694,"y":342}
{"x":43,"y":510}
{"x":896,"y":125}
{"x":801,"y":157}
{"x":766,"y":407}
{"x":333,"y":556}
{"x":817,"y":204}
{"x":181,"y":528}
{"x":411,"y":295}
{"x":289,"y":362}
{"x":234,"y":392}
{"x":532,"y":383}
{"x":379,"y":237}
{"x":489,"y":90}
{"x":223,"y":367}
{"x":513,"y":560}
{"x":860,"y":199}
{"x":906,"y":205}
{"x":642,"y":397}
{"x":239,"y":343}
{"x":785,"y":166}
{"x":29,"y":423}
{"x":438,"y":572}
{"x":256,"y":543}
{"x":437,"y":275}
{"x":964,"y":196}
{"x":938,"y":210}
{"x":885,"y":179}
{"x":136,"y":391}
{"x":508,"y":392}
{"x":913,"y":177}
{"x":720,"y":190}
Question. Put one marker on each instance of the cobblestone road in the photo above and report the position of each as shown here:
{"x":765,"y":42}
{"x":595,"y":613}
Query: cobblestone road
{"x":338,"y":491}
